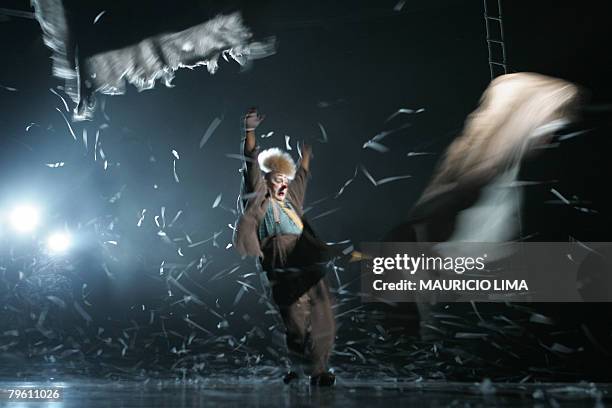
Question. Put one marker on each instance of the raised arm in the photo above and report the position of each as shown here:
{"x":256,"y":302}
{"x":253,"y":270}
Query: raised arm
{"x":297,"y":188}
{"x":251,"y":121}
{"x":306,"y":155}
{"x":252,"y":175}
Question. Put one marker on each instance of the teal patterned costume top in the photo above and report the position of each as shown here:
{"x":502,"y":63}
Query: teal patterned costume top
{"x":270,"y":227}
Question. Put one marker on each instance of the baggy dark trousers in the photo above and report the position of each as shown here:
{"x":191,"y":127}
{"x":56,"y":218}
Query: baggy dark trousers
{"x":310,"y":325}
{"x":300,"y":290}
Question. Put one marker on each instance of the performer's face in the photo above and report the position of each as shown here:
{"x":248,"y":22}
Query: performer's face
{"x":277,"y":184}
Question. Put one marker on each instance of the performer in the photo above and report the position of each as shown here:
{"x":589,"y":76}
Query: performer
{"x":474,"y":195}
{"x":272,"y":227}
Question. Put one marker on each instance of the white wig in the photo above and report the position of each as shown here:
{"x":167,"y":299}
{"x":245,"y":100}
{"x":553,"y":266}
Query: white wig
{"x":277,"y":161}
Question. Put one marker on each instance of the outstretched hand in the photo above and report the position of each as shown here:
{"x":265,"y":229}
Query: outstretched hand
{"x":252,"y":119}
{"x":306,"y":150}
{"x":306,"y":156}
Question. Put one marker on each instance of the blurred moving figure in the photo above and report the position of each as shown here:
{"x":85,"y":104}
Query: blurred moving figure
{"x":474,"y":195}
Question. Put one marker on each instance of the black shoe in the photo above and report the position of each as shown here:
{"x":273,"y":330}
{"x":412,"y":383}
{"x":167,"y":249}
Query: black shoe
{"x":290,"y":376}
{"x":326,"y":379}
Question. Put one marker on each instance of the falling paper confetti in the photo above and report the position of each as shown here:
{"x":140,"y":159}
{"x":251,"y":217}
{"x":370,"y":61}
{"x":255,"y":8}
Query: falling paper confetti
{"x":240,"y":157}
{"x":85,"y":138}
{"x":176,"y":178}
{"x":383,"y":180}
{"x":390,"y":179}
{"x":176,"y":217}
{"x":142,"y":216}
{"x":82,"y":312}
{"x":323,"y":133}
{"x":558,"y":194}
{"x":62,"y":99}
{"x":209,"y":132}
{"x":405,"y":111}
{"x":99,"y":16}
{"x":346,"y":184}
{"x":326,"y":213}
{"x":400,"y":5}
{"x":376,"y":146}
{"x":368,"y":175}
{"x":217,"y":201}
{"x":374,"y":142}
{"x":573,"y":134}
{"x":67,"y":124}
{"x":96,"y":145}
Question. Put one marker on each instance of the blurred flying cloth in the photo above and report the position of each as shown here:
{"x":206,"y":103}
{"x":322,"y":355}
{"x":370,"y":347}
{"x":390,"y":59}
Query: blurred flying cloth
{"x":474,"y":195}
{"x":101,"y":45}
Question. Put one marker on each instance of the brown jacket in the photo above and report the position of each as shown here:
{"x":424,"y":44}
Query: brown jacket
{"x":255,"y":192}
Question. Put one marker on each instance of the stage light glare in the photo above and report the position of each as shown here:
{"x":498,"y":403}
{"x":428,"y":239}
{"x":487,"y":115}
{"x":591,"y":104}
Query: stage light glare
{"x":59,"y":242}
{"x":24,"y":218}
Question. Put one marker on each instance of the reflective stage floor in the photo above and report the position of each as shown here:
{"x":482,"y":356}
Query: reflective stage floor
{"x":234,"y":392}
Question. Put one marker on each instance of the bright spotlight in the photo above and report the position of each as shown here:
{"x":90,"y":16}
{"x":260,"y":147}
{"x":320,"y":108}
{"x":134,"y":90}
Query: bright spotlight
{"x":59,"y":242}
{"x":24,"y":218}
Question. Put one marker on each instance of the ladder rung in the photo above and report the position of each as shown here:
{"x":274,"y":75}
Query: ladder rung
{"x":495,"y":41}
{"x":498,"y":63}
{"x":494,"y":18}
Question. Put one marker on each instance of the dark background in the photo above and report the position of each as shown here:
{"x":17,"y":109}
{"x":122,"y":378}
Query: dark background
{"x":347,"y":65}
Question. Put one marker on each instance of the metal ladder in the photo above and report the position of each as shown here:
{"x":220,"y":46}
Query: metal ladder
{"x":498,"y":65}
{"x":495,"y":38}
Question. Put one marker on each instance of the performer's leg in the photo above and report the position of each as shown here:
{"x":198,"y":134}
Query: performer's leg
{"x":296,"y":318}
{"x":323,"y":327}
